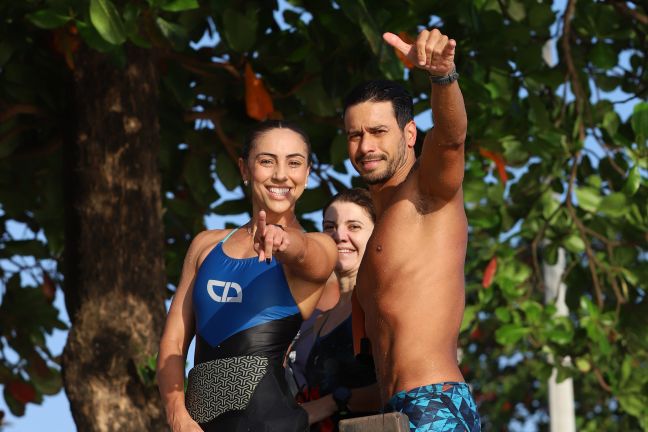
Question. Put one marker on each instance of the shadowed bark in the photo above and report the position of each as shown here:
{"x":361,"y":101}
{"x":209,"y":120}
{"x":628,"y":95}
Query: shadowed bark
{"x":114,"y":278}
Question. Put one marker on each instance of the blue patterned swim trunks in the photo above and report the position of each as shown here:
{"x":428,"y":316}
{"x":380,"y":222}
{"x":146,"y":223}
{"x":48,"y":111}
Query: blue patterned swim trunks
{"x":443,"y":407}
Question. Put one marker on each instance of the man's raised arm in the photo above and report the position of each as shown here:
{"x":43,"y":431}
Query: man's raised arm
{"x":442,"y":159}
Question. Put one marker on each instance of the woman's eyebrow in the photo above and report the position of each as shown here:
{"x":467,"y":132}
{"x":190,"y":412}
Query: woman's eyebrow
{"x":267,"y":154}
{"x":296,"y":155}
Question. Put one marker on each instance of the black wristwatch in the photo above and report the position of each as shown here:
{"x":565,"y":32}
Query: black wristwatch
{"x":444,"y":79}
{"x":341,"y":396}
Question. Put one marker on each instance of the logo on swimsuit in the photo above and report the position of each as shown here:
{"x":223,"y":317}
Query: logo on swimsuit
{"x":225,"y":298}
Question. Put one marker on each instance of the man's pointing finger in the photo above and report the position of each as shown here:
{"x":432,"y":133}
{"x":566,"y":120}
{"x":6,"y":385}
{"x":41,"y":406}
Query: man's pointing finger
{"x":397,"y":43}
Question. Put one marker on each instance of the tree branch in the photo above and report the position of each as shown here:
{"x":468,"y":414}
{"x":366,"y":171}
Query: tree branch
{"x":200,"y":67}
{"x":17,"y":109}
{"x":577,"y":88}
{"x":632,"y":13}
{"x":601,"y":380}
{"x":231,"y":146}
{"x":591,"y":258}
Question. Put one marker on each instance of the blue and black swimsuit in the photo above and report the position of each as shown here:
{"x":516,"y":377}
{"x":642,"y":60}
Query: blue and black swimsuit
{"x":246,"y":318}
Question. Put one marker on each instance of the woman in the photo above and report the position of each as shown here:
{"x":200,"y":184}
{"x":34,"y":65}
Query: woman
{"x":333,"y":380}
{"x":243,"y":293}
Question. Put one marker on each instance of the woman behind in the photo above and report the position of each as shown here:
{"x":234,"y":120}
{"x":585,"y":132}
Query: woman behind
{"x":243,"y":294}
{"x":333,"y":379}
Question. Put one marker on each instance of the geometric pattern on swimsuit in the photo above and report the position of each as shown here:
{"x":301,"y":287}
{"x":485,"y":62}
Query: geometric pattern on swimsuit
{"x":442,"y":407}
{"x":222,"y":385}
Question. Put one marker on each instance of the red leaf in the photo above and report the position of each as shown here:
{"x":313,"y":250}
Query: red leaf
{"x":48,"y":287}
{"x":21,"y":391}
{"x":476,"y":334}
{"x":66,"y":42}
{"x":402,"y":57}
{"x":258,"y":102}
{"x":489,"y":273}
{"x":500,"y":164}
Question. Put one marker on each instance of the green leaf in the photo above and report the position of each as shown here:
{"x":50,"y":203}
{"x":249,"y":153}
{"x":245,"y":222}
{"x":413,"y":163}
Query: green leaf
{"x":639,"y":122}
{"x":239,"y":30}
{"x":589,"y":198}
{"x":227,"y":172}
{"x":583,"y":365}
{"x":232,"y":207}
{"x":634,"y":404}
{"x":574,"y":243}
{"x":503,"y":314}
{"x":176,"y":34}
{"x":48,"y":384}
{"x":93,"y":38}
{"x":313,"y":96}
{"x":611,"y":122}
{"x":533,"y":311}
{"x":613,"y":205}
{"x":180,"y":5}
{"x":561,"y":331}
{"x":24,"y":247}
{"x":517,"y":10}
{"x":469,"y":315}
{"x":339,"y":149}
{"x":48,"y":19}
{"x":509,"y":334}
{"x":132,"y":26}
{"x":633,"y":182}
{"x":541,"y":14}
{"x":198,"y":176}
{"x":312,"y":199}
{"x":6,"y":49}
{"x":482,"y":217}
{"x":538,"y":112}
{"x":603,"y":56}
{"x":105,"y":18}
{"x":549,"y":203}
{"x":358,"y":12}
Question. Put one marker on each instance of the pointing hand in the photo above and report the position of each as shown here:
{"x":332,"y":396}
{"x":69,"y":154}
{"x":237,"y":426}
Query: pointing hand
{"x":432,"y":51}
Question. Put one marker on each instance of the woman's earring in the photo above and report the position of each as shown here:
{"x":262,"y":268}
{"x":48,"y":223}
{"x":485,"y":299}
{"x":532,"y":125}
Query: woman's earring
{"x":245,"y":182}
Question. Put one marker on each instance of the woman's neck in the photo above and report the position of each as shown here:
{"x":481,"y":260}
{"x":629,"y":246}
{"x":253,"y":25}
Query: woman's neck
{"x":347,"y":284}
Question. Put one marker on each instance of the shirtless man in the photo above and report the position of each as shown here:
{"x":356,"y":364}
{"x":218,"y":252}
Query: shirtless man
{"x":411,"y":281}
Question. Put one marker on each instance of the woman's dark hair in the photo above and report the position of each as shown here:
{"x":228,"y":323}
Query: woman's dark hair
{"x":357,"y":196}
{"x":269,"y":125}
{"x":384,"y":91}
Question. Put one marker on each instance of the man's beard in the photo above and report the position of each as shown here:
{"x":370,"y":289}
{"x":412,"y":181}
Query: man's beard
{"x":378,"y":177}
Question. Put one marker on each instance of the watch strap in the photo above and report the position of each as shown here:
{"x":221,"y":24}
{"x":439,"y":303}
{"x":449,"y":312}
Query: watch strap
{"x":444,"y":79}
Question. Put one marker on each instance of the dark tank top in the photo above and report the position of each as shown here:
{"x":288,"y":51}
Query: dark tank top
{"x":245,"y":318}
{"x":332,"y":363}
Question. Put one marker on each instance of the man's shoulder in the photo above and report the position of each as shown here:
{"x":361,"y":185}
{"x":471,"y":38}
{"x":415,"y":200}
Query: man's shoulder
{"x":424,"y":202}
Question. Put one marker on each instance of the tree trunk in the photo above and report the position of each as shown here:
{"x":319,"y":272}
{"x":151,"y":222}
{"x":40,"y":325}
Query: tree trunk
{"x":114,"y":264}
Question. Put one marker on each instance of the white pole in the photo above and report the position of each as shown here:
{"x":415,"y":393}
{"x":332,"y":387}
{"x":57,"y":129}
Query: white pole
{"x":561,"y":395}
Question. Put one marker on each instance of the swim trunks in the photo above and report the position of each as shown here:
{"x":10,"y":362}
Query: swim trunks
{"x":442,"y":407}
{"x":245,"y":319}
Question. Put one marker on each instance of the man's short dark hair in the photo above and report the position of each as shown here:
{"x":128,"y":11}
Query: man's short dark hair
{"x":384,"y":91}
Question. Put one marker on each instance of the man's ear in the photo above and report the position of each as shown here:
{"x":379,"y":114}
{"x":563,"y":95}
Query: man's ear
{"x":410,"y":133}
